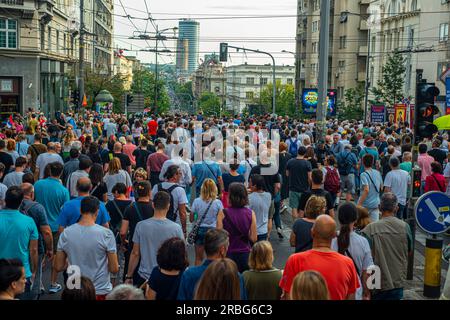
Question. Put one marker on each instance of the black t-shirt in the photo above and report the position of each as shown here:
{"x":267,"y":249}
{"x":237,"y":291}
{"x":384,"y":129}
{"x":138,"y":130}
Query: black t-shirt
{"x":99,"y":190}
{"x":229,"y":179}
{"x":141,"y":156}
{"x":316,"y":192}
{"x":53,"y":130}
{"x":95,"y":157}
{"x":130,"y":214}
{"x":165,"y":286}
{"x":269,"y":180}
{"x":125,"y":161}
{"x":116,"y":217}
{"x":298,"y":174}
{"x":7,"y":160}
{"x":438,"y":155}
{"x":303,"y":238}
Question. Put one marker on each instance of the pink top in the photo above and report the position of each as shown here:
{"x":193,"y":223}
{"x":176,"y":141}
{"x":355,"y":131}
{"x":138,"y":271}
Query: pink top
{"x":128,"y":150}
{"x":425,"y":161}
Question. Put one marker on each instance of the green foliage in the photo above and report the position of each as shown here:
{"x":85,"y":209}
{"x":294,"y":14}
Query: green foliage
{"x":95,"y":82}
{"x":209,"y":104}
{"x":144,"y":83}
{"x":389,"y":89}
{"x":184,"y":94}
{"x":285,"y":99}
{"x":352,"y":106}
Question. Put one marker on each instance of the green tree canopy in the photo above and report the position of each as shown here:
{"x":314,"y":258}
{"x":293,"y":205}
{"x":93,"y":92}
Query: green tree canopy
{"x":144,"y":83}
{"x":351,"y":107}
{"x":209,"y":103}
{"x":285,"y":99}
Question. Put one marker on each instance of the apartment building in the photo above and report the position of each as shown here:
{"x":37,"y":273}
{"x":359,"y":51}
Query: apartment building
{"x":123,"y":66}
{"x":348,"y":44}
{"x":245,"y":83}
{"x":39,"y":50}
{"x":419,"y":29}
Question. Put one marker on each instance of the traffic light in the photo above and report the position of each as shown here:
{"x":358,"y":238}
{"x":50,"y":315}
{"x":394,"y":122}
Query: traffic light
{"x":425,"y":110}
{"x":75,"y":97}
{"x":417,"y":181}
{"x":129,"y":99}
{"x":224,"y":52}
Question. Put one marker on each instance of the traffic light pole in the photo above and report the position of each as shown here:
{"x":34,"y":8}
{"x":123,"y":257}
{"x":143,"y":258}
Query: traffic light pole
{"x":81,"y":58}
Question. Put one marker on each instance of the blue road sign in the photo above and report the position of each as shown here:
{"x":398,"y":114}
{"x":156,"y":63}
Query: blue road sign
{"x":432,"y":212}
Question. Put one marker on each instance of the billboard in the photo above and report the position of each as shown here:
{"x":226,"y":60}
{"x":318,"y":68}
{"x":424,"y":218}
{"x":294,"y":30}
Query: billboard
{"x":377,"y":114}
{"x":310,"y":98}
{"x":400,"y":113}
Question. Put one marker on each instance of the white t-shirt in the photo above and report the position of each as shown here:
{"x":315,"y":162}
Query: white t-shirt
{"x":178,"y":194}
{"x":260,"y":202}
{"x":398,"y":181}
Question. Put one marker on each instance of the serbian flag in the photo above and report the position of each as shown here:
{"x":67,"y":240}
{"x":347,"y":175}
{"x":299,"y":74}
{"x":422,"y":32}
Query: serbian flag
{"x":10,"y":122}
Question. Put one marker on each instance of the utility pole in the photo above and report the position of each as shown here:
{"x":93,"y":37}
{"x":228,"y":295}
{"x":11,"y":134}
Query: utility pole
{"x":324,"y":49}
{"x":156,"y":72}
{"x":81,"y":67}
{"x":366,"y":100}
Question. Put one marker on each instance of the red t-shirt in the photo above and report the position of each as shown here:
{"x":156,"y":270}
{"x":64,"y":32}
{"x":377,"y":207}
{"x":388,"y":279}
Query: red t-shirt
{"x":152,"y":127}
{"x":338,"y":271}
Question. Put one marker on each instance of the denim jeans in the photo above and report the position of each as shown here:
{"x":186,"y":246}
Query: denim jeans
{"x":28,"y":293}
{"x":402,"y":212}
{"x":276,"y":215}
{"x":262,"y":237}
{"x":394,"y":294}
{"x":241,"y":260}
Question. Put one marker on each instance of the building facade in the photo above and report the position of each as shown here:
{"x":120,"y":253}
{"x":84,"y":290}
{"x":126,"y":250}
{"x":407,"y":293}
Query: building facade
{"x":244,"y":83}
{"x":348,"y":44}
{"x":210,"y":77}
{"x":187,"y":47}
{"x":39,"y":52}
{"x":123,"y":66}
{"x":419,"y":29}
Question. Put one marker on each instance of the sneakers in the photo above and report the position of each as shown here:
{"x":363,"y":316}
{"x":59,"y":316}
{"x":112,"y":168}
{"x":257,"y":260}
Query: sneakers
{"x":280,"y":234}
{"x":54,"y":288}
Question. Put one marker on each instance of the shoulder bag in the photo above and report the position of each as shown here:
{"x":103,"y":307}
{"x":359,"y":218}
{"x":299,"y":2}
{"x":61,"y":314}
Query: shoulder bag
{"x":194,"y":232}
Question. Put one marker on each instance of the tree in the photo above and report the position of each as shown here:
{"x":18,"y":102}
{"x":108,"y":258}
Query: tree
{"x":183,"y":95}
{"x":390,"y":88}
{"x":144,"y":83}
{"x":285,"y":99}
{"x":209,"y":103}
{"x":95,"y":82}
{"x":352,"y":108}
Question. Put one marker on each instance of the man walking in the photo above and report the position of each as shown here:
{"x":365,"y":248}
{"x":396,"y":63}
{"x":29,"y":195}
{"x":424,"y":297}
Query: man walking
{"x":398,"y":181}
{"x":371,"y":186}
{"x":45,"y":158}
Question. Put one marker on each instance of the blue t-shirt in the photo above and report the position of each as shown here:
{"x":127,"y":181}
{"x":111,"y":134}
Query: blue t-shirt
{"x":70,"y":213}
{"x":16,"y":231}
{"x":368,"y":151}
{"x":373,"y":179}
{"x":201,"y":172}
{"x":191,"y":277}
{"x":52,"y":195}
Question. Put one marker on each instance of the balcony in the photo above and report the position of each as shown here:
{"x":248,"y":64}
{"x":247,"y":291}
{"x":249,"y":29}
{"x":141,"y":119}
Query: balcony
{"x":26,"y":8}
{"x":12,"y":2}
{"x":363,"y":25}
{"x":363,"y":2}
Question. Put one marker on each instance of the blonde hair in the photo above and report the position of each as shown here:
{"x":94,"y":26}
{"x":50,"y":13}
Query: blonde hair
{"x":140,"y":172}
{"x":315,"y":206}
{"x":309,"y":285}
{"x":114,"y":166}
{"x":261,"y":256}
{"x":363,"y":218}
{"x":208,"y":190}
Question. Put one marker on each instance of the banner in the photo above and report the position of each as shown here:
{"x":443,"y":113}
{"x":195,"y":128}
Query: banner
{"x":310,"y":100}
{"x":412,"y":111}
{"x":400,"y":113}
{"x":377,"y":114}
{"x":447,"y":93}
{"x":390,"y":115}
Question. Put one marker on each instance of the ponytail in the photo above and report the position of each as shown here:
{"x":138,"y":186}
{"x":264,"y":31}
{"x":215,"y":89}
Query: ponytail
{"x":343,"y":239}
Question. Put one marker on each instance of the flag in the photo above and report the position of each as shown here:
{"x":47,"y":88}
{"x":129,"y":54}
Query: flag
{"x":84,"y":104}
{"x":10,"y":122}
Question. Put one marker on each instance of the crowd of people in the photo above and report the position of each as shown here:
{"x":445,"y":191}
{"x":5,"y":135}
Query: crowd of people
{"x":118,"y":201}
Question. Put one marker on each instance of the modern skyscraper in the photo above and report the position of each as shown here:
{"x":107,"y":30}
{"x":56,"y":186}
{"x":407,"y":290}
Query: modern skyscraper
{"x":188,"y":46}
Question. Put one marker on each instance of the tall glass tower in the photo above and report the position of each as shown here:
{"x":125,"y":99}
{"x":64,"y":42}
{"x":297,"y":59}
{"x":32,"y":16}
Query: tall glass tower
{"x":187,"y":46}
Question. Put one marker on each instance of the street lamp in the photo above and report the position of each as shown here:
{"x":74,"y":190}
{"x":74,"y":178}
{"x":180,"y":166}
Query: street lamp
{"x":158,"y":37}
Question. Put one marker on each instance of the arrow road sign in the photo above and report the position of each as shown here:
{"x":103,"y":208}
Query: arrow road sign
{"x":432,"y":212}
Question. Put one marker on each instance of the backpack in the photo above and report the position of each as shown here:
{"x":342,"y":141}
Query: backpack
{"x":345,"y":166}
{"x":293,"y":147}
{"x":171,"y":214}
{"x":332,"y":182}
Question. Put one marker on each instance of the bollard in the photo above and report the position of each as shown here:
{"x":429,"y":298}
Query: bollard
{"x":410,"y":270}
{"x":432,"y":277}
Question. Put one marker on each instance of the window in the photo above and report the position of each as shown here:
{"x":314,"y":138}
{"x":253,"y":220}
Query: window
{"x":343,"y":42}
{"x":443,"y":32}
{"x":413,"y":5}
{"x":249,"y":95}
{"x":264,"y":81}
{"x":315,"y":46}
{"x":315,"y":26}
{"x":57,"y":41}
{"x":442,"y":67}
{"x":250,"y":81}
{"x":340,"y":92}
{"x":290,"y":81}
{"x":341,"y":65}
{"x":313,"y":69}
{"x":8,"y":34}
{"x":49,"y":36}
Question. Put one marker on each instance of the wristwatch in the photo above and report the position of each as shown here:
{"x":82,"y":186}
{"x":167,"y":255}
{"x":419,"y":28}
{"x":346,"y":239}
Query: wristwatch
{"x":128,"y":277}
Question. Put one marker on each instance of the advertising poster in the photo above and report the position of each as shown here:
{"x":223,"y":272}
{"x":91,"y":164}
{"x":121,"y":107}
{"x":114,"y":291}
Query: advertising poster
{"x":390,"y":114}
{"x":447,"y":94}
{"x":377,"y":114}
{"x":310,"y":100}
{"x":400,"y":113}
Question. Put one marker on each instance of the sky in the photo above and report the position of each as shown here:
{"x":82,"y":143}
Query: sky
{"x":267,"y":34}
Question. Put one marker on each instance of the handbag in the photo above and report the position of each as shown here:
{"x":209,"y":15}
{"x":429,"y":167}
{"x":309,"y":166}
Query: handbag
{"x":194,"y":232}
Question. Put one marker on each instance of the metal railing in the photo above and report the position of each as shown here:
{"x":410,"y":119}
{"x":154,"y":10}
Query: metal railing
{"x":12,"y":2}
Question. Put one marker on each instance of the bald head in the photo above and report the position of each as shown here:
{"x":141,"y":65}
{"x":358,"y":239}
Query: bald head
{"x":84,"y":185}
{"x":324,"y":228}
{"x":27,"y":189}
{"x":117,"y":147}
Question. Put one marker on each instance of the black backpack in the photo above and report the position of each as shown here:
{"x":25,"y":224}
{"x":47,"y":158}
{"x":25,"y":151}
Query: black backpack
{"x":171,"y":214}
{"x":345,"y":165}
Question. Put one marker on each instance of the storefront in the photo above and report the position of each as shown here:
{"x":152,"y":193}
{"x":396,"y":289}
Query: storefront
{"x":10,"y":96}
{"x":54,"y":87}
